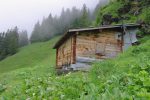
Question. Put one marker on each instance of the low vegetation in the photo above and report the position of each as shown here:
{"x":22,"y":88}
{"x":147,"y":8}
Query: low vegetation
{"x":126,"y":77}
{"x":132,"y":11}
{"x":30,"y":74}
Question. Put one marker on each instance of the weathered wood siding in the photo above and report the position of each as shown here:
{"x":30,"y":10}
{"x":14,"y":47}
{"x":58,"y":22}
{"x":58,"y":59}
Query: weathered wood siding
{"x":99,"y":45}
{"x":65,"y":53}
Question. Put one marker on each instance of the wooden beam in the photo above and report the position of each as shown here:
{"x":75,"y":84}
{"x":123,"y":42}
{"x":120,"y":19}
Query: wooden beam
{"x":74,"y":48}
{"x":57,"y":57}
{"x":122,"y":39}
{"x":71,"y":53}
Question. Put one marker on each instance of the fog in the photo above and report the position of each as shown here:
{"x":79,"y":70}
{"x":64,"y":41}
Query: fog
{"x":25,"y":13}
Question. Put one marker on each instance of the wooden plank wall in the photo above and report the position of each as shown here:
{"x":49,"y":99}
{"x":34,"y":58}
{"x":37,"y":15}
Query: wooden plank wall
{"x":98,"y":45}
{"x":65,"y":53}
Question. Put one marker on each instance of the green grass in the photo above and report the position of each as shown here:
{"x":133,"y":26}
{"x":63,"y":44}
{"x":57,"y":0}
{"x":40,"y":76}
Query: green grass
{"x":113,"y":7}
{"x":125,"y":77}
{"x":34,"y":60}
{"x":30,"y":73}
{"x":30,"y":56}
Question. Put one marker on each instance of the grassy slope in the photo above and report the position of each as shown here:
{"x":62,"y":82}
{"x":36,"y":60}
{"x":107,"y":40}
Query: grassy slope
{"x":30,"y":56}
{"x":37,"y":59}
{"x":112,"y":8}
{"x":125,"y":77}
{"x":113,"y":79}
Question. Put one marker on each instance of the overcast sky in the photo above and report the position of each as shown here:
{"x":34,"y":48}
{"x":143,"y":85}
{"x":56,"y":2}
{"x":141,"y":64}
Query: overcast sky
{"x":25,"y":13}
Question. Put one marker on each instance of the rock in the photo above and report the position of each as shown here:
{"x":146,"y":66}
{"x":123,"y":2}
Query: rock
{"x":107,"y":19}
{"x":125,"y":9}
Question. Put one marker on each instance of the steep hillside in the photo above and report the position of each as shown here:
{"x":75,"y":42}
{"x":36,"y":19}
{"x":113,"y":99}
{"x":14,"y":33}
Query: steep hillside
{"x":130,"y":11}
{"x":30,"y":75}
{"x":30,"y":56}
{"x":125,"y":77}
{"x":37,"y":59}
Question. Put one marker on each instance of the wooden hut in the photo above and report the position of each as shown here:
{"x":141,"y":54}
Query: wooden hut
{"x":80,"y":47}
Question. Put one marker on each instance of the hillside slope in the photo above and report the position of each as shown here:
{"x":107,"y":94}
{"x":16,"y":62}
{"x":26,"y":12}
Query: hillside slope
{"x":30,"y":56}
{"x":128,"y":11}
{"x":125,"y":77}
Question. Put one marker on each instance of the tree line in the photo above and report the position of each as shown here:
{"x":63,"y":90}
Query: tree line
{"x":13,"y":39}
{"x":10,"y":42}
{"x":69,"y":18}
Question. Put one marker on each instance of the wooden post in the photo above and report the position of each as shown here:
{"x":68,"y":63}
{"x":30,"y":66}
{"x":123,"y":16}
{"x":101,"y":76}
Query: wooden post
{"x":57,"y":57}
{"x":71,"y":54}
{"x":74,"y":48}
{"x":122,"y":39}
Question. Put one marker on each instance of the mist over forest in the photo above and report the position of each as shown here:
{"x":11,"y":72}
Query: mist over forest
{"x":49,"y":27}
{"x":69,"y":18}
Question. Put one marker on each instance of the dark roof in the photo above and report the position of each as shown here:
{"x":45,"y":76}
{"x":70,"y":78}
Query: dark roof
{"x":73,"y":31}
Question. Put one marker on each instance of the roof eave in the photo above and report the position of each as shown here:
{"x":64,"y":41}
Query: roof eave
{"x":62,"y":39}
